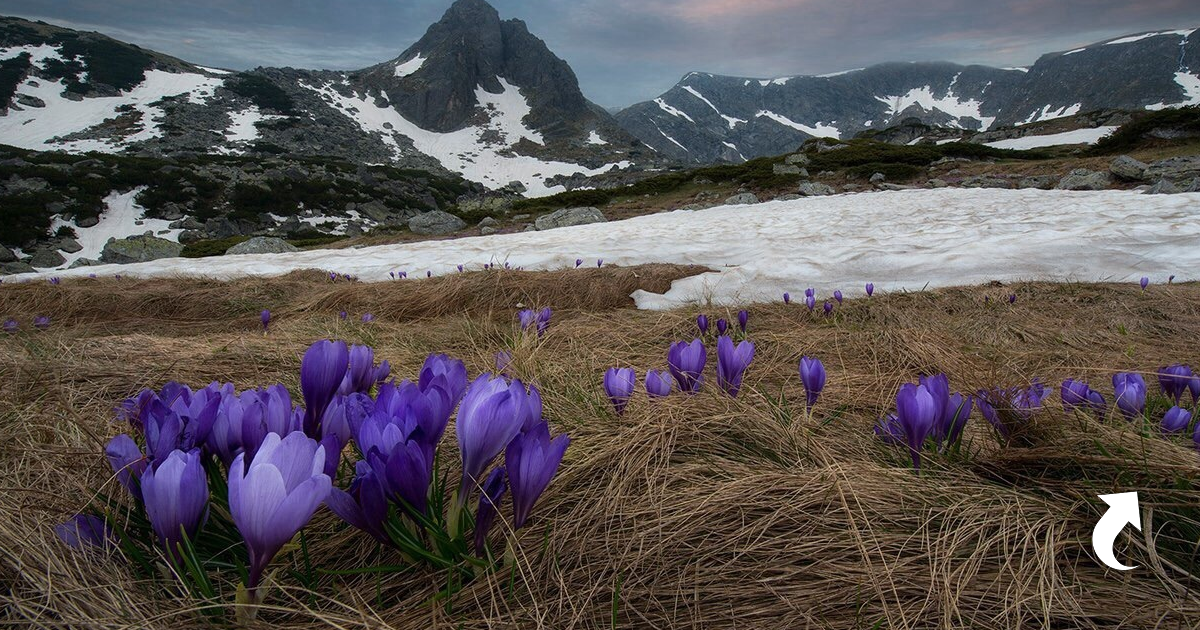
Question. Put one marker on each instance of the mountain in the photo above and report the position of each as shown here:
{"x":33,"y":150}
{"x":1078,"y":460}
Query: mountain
{"x":476,"y":95}
{"x":711,"y":118}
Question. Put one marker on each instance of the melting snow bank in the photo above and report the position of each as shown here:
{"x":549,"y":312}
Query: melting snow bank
{"x":898,"y":240}
{"x":1078,"y":136}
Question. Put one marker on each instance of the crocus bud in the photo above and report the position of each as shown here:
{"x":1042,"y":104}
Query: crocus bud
{"x":870,"y":289}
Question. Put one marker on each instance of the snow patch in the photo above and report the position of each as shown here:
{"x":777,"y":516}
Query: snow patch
{"x":672,"y":111}
{"x":1046,"y":113}
{"x":594,"y":138}
{"x":412,"y":65}
{"x":1078,"y":136}
{"x":949,"y":104}
{"x":838,"y":74}
{"x":820,"y":130}
{"x":1027,"y":234}
{"x":730,"y":120}
{"x":470,"y":151}
{"x":215,"y":70}
{"x":1138,"y":38}
{"x":1072,"y":52}
{"x":1026,"y":70}
{"x":121,"y":218}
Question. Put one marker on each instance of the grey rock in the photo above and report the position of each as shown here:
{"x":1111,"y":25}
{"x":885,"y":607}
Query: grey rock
{"x":1163,"y":187}
{"x":521,"y":217}
{"x":191,"y":236}
{"x":877,"y":178}
{"x":376,"y":211}
{"x":530,"y":228}
{"x":936,"y":183}
{"x":1192,"y":186}
{"x":69,"y":245}
{"x":138,"y":249}
{"x":1083,"y":179}
{"x":43,"y":258}
{"x":186,"y":223}
{"x":87,"y":222}
{"x":1174,"y":169}
{"x":7,"y":255}
{"x":570,"y":216}
{"x":263,"y":245}
{"x":787,"y":197}
{"x":435,"y":223}
{"x":487,"y":229}
{"x":986,"y":181}
{"x":798,"y":158}
{"x":15,"y":267}
{"x":84,"y":262}
{"x":171,"y":212}
{"x":1127,"y":168}
{"x":815,"y":189}
{"x":1042,"y":182}
{"x":887,"y":186}
{"x":219,"y":227}
{"x":741,"y":199}
{"x":488,"y":222}
{"x":786,"y":169}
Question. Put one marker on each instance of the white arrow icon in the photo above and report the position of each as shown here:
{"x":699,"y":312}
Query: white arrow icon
{"x":1123,"y":508}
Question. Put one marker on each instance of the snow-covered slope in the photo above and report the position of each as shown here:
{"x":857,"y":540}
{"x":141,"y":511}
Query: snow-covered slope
{"x":122,"y":217}
{"x":898,"y":240}
{"x":1078,"y":136}
{"x":708,"y":117}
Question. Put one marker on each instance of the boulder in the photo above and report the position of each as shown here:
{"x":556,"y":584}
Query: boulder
{"x":376,"y":211}
{"x":786,"y":169}
{"x":1192,"y":186}
{"x":186,"y":223}
{"x":1042,"y":182}
{"x":84,"y":262}
{"x":138,"y":249}
{"x":815,"y":189}
{"x":7,"y":255}
{"x":936,"y":183}
{"x":1163,"y":187}
{"x":1174,"y":169}
{"x":69,"y":245}
{"x":263,"y":245}
{"x":1129,"y":169}
{"x":171,"y":212}
{"x":570,"y":216}
{"x":44,"y":258}
{"x":488,"y":222}
{"x":1083,"y":179}
{"x":191,"y":236}
{"x":435,"y":223}
{"x":218,"y":227}
{"x":741,"y":199}
{"x":15,"y":267}
{"x":986,"y":181}
{"x":798,"y":158}
{"x":487,"y":230}
{"x":787,"y":197}
{"x":878,"y":178}
{"x":87,"y":222}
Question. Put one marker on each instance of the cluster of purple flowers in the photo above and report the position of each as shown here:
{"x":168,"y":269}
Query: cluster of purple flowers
{"x":281,"y":460}
{"x":722,"y":326}
{"x":40,"y":322}
{"x":537,"y":320}
{"x":927,"y":414}
{"x":810,"y":298}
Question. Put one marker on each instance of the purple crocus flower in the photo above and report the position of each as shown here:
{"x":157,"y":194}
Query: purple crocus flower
{"x":1171,"y":279}
{"x":429,"y":273}
{"x":333,"y":277}
{"x":917,"y":412}
{"x":55,"y":281}
{"x":367,"y":318}
{"x":10,"y":325}
{"x":1145,"y":282}
{"x":1174,"y":380}
{"x":619,"y":384}
{"x":1074,"y":394}
{"x":810,"y":302}
{"x":954,"y":418}
{"x":127,"y":462}
{"x":722,"y":326}
{"x":504,"y":359}
{"x":176,"y":497}
{"x":41,"y":322}
{"x":460,"y":268}
{"x":810,"y":292}
{"x":732,"y":362}
{"x":889,"y":429}
{"x":578,"y":262}
{"x":870,"y":289}
{"x":363,"y":505}
{"x":787,"y":298}
{"x":527,"y":317}
{"x":1176,"y":420}
{"x":702,"y":323}
{"x":837,"y":295}
{"x":494,"y":488}
{"x":321,"y":373}
{"x":85,"y":530}
{"x":342,"y":315}
{"x":600,"y":263}
{"x":812,"y":376}
{"x":743,"y":318}
{"x":491,"y":414}
{"x":392,"y":274}
{"x":543,"y":320}
{"x":445,"y":373}
{"x":1012,"y":299}
{"x":276,"y":495}
{"x":265,"y":318}
{"x":402,"y":274}
{"x":361,"y":374}
{"x":658,"y":383}
{"x":405,"y":471}
{"x":531,"y":460}
{"x":686,"y":363}
{"x":1194,"y":389}
{"x":1130,"y":390}
{"x":828,"y":307}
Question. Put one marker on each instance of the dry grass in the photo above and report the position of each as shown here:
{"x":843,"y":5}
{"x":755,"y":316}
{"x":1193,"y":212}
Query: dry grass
{"x":696,"y":512}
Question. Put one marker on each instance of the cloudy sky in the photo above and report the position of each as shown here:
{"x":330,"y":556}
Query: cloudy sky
{"x":625,"y":51}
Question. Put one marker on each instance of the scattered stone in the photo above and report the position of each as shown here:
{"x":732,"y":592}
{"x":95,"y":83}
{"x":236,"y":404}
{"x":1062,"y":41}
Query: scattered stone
{"x":1084,"y":179}
{"x":986,"y":181}
{"x":936,"y":183}
{"x":521,"y":217}
{"x":893,"y":187}
{"x":435,"y":223}
{"x":70,"y":245}
{"x":191,"y":236}
{"x":7,"y":255}
{"x":186,"y":223}
{"x":878,"y":178}
{"x":786,"y":169}
{"x":488,"y":222}
{"x":84,"y":262}
{"x":15,"y":267}
{"x":44,"y":258}
{"x":138,"y":249}
{"x":87,"y":222}
{"x":218,"y":227}
{"x":742,"y":199}
{"x":376,"y":211}
{"x":798,"y":158}
{"x":788,"y":197}
{"x":1041,"y":182}
{"x":816,"y":189}
{"x":263,"y":245}
{"x":570,"y":216}
{"x":1127,"y":168}
{"x":1174,"y":169}
{"x":488,"y":230}
{"x":1163,"y":187}
{"x":1192,"y":186}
